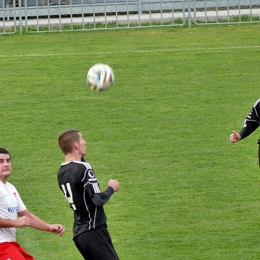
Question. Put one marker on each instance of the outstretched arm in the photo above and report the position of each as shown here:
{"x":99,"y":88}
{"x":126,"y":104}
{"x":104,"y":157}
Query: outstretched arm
{"x":17,"y":223}
{"x":38,"y":223}
{"x":251,"y":123}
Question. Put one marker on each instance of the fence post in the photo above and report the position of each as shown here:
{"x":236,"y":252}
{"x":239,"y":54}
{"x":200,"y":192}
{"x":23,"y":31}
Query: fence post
{"x":7,"y":9}
{"x":20,"y":16}
{"x":139,"y":7}
{"x":189,"y":14}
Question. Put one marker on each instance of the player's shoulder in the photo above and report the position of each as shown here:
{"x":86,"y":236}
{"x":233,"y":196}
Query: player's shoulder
{"x":8,"y":186}
{"x":86,"y":170}
{"x":77,"y":164}
{"x":83,"y":164}
{"x":257,"y":103}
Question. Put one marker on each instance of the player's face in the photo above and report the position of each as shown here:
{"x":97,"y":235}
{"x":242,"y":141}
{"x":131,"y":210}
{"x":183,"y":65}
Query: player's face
{"x":82,"y":145}
{"x":5,"y":166}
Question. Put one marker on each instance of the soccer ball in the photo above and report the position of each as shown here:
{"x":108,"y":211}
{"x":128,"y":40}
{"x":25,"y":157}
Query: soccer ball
{"x":100,"y":77}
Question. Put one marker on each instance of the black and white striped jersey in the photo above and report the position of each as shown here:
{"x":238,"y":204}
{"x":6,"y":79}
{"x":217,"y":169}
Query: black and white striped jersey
{"x":78,"y":182}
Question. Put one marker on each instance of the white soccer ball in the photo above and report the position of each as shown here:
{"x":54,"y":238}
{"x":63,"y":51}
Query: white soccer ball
{"x":100,"y":77}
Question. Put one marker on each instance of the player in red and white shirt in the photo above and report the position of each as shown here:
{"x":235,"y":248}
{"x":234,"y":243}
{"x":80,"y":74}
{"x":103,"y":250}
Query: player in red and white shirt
{"x":12,"y":205}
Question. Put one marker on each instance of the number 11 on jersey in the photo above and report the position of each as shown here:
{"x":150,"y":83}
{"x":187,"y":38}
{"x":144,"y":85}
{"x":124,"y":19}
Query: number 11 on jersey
{"x":68,"y":194}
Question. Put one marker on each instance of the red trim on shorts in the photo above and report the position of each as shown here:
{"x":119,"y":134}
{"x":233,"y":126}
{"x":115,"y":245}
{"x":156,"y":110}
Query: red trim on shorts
{"x":13,"y":251}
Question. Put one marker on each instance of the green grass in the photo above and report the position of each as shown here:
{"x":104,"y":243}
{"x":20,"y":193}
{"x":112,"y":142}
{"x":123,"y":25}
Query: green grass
{"x":162,"y":130}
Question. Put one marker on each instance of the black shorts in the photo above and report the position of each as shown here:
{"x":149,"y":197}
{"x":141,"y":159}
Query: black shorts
{"x":96,"y":244}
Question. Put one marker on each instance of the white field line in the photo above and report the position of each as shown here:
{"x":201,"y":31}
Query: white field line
{"x":131,"y":52}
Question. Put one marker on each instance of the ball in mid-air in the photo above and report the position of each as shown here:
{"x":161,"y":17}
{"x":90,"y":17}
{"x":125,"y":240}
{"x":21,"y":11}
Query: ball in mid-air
{"x":100,"y":77}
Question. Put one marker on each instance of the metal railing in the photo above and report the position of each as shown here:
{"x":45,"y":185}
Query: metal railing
{"x":70,"y":15}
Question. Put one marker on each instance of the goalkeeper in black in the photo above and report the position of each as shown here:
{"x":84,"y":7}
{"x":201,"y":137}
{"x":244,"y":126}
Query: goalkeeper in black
{"x":251,"y":123}
{"x":78,"y":182}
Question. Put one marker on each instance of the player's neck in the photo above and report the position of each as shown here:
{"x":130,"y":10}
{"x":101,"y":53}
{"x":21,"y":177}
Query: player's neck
{"x":3,"y":180}
{"x":72,"y":157}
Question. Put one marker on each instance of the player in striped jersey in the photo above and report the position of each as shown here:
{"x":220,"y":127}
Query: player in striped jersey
{"x":251,"y":123}
{"x":78,"y":182}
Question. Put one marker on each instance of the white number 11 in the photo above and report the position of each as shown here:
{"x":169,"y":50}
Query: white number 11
{"x":67,"y":190}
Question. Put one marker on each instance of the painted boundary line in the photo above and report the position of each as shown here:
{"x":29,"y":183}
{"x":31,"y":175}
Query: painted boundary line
{"x":130,"y":52}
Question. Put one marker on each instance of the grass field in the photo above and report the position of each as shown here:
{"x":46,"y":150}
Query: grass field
{"x":162,"y":130}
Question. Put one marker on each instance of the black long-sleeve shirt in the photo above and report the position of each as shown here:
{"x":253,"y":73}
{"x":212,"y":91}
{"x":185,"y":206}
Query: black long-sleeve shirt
{"x":81,"y":188}
{"x":252,"y":121}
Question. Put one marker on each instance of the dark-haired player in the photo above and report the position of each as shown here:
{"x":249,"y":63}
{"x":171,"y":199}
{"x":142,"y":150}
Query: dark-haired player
{"x":12,"y":205}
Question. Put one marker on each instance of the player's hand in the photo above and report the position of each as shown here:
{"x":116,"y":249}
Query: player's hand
{"x":234,"y":137}
{"x":22,"y":222}
{"x":114,"y":184}
{"x":57,"y":229}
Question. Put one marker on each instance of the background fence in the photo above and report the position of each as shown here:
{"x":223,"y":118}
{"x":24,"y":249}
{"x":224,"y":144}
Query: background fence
{"x":70,"y":15}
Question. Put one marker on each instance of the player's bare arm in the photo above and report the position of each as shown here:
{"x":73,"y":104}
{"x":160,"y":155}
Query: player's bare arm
{"x":18,"y":223}
{"x":38,"y":223}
